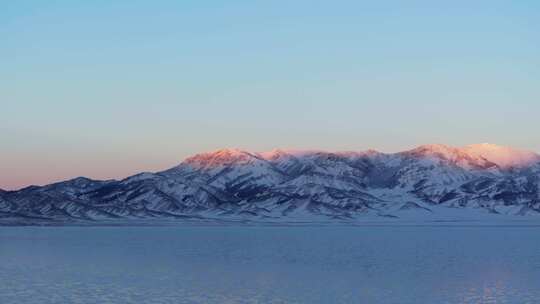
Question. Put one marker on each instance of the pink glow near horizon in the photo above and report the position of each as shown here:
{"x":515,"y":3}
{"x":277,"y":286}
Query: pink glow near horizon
{"x":42,"y":173}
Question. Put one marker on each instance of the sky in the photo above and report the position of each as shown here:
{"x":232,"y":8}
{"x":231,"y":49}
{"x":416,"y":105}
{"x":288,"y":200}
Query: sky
{"x":106,"y":89}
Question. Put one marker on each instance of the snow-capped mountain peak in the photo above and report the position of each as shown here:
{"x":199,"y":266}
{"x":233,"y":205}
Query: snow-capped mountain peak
{"x":435,"y":149}
{"x":218,"y":158}
{"x":504,"y":157}
{"x":456,"y":156}
{"x":479,"y":155}
{"x":298,"y":185}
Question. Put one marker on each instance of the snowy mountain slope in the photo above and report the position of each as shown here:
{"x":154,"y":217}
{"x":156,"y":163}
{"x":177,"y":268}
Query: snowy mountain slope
{"x":426,"y":182}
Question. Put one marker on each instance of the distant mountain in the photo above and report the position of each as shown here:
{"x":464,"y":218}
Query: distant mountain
{"x":429,"y":182}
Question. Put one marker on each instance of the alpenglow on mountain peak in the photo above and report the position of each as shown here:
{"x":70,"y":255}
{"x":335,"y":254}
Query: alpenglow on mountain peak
{"x":504,"y":157}
{"x":501,"y":156}
{"x":435,"y":182}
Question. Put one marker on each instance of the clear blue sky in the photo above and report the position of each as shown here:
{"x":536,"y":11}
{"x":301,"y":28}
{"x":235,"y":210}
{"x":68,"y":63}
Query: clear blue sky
{"x":109,"y":88}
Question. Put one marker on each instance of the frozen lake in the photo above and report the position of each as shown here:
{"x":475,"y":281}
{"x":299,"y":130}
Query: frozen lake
{"x":434,"y":265}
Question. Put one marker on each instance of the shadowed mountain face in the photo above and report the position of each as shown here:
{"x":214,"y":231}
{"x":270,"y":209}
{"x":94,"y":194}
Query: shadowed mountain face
{"x":299,"y":186}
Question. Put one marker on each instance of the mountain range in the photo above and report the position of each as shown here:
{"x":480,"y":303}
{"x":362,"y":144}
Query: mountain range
{"x":428,"y":182}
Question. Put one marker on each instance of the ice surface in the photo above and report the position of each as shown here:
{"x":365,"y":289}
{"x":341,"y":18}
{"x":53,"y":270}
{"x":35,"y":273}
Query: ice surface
{"x":363,"y":264}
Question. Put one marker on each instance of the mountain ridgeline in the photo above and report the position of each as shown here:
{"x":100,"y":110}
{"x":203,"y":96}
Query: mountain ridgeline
{"x":429,"y":182}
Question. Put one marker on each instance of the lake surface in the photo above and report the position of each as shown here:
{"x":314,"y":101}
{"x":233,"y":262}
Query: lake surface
{"x":270,"y":265}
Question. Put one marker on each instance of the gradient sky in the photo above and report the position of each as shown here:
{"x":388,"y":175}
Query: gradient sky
{"x":106,"y":89}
